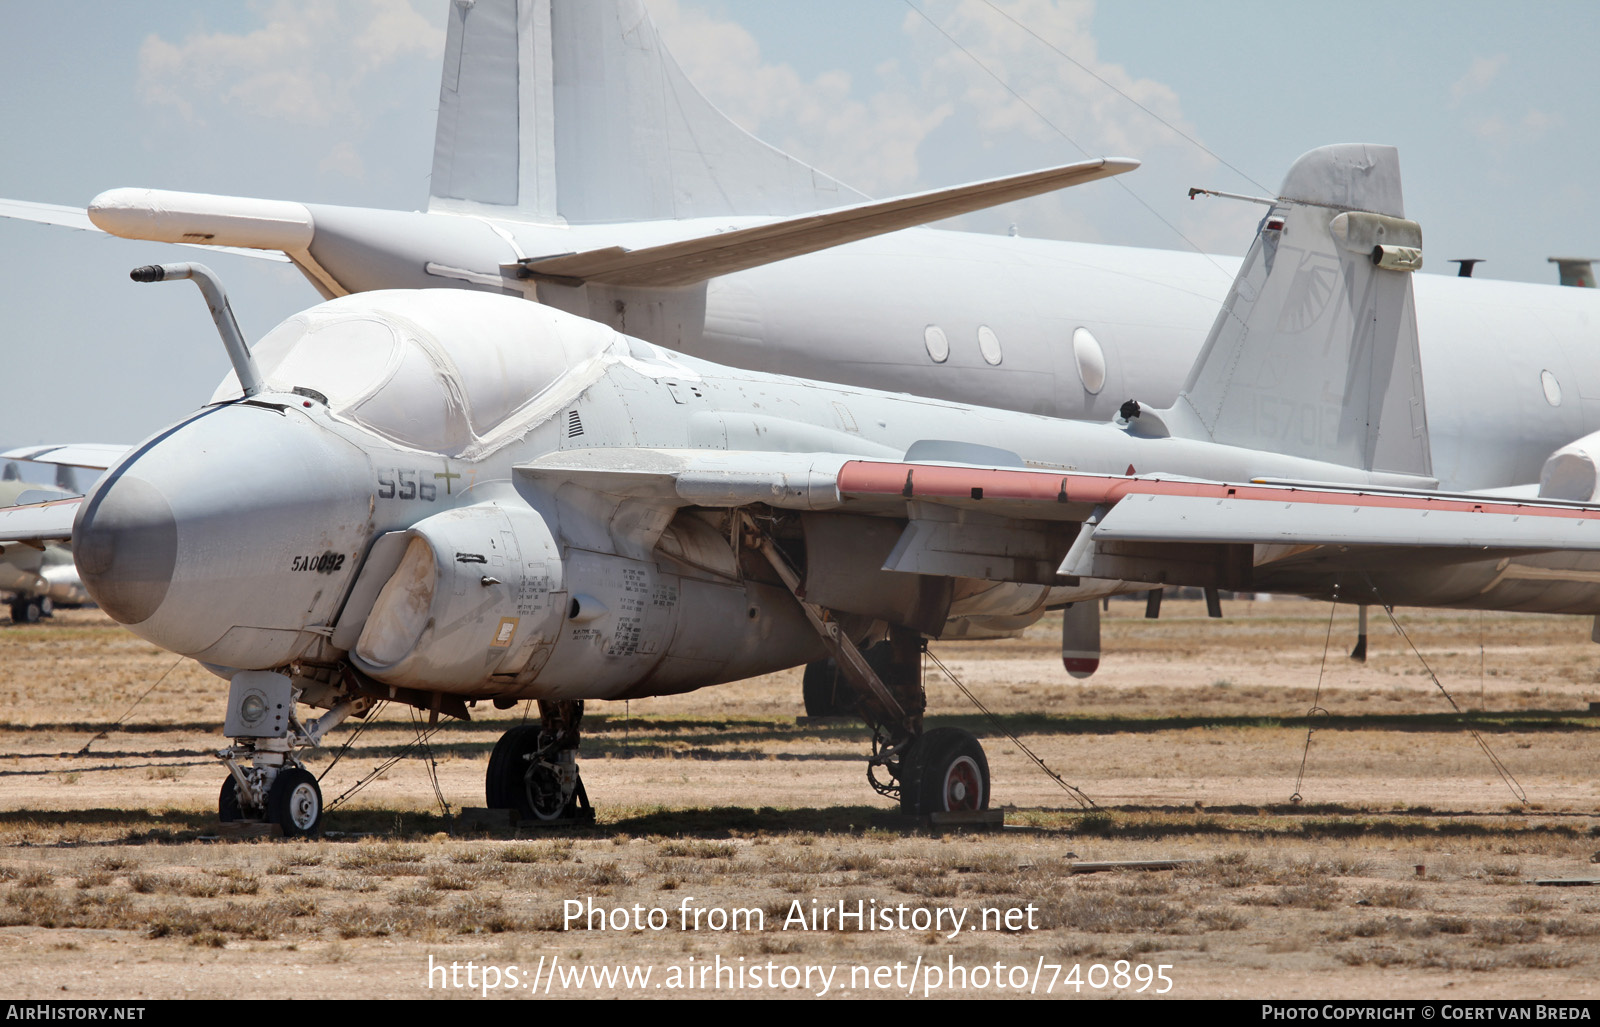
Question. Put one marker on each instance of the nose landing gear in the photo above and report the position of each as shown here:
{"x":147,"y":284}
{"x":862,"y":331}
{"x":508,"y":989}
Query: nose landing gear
{"x":266,"y":781}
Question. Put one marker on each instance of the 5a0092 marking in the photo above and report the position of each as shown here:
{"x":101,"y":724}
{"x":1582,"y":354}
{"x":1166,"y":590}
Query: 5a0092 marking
{"x":323,"y":563}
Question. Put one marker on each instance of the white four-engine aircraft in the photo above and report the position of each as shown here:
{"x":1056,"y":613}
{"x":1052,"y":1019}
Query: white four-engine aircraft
{"x":574,"y":164}
{"x":441,"y":497}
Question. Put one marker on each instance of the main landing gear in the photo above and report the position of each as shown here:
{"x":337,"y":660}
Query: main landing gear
{"x":939,"y":771}
{"x":534,"y":768}
{"x":31,"y":610}
{"x":945,"y":772}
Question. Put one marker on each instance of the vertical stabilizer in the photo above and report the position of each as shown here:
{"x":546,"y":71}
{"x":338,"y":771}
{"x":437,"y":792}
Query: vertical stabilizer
{"x":572,"y":110}
{"x":1314,"y":353}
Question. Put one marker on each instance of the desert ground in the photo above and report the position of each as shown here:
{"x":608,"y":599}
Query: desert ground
{"x":1407,"y":868}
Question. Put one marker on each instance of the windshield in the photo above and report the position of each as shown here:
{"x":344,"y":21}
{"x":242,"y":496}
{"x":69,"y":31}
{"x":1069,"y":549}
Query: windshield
{"x":442,"y":371}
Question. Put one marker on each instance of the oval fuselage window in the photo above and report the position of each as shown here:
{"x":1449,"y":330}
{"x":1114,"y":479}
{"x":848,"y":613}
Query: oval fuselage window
{"x":989,"y":345}
{"x":1091,"y":360}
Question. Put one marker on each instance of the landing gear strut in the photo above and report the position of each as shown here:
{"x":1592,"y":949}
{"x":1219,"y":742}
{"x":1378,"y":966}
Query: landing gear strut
{"x":939,"y":771}
{"x":534,"y":767}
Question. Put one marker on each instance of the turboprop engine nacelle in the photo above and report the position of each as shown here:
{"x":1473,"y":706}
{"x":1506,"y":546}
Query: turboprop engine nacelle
{"x":1573,"y":472}
{"x":477,"y":591}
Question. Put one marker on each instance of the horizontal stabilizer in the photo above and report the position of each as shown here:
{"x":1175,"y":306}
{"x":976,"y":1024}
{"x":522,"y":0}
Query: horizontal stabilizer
{"x":42,"y":522}
{"x":95,"y":456}
{"x":695,"y":260}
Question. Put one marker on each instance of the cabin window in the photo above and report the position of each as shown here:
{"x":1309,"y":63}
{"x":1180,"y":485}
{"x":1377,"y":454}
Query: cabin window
{"x":1091,"y":360}
{"x":989,"y":346}
{"x":1552,"y":388}
{"x":938,"y":343}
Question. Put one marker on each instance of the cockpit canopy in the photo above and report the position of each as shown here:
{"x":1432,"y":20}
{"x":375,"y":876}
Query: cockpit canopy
{"x":442,"y":370}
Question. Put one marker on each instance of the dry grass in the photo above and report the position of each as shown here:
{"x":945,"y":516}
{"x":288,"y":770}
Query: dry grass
{"x":1189,"y":740}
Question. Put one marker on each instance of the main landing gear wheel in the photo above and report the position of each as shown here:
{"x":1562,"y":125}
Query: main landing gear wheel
{"x":518,"y":779}
{"x":945,"y":772}
{"x":229,"y":809}
{"x":503,"y":784}
{"x":826,"y":691}
{"x":294,"y":803}
{"x":30,"y":611}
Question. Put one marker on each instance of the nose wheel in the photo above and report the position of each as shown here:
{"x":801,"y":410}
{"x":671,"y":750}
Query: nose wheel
{"x":229,"y":809}
{"x":294,"y":803}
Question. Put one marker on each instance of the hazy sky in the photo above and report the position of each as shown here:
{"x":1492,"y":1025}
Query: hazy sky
{"x":1490,"y":104}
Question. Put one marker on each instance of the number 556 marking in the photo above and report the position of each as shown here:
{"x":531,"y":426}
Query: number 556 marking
{"x":396,"y":484}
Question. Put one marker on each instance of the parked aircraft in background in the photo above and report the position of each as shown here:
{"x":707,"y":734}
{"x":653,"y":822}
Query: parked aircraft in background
{"x":671,"y":224}
{"x":440,"y":497}
{"x":37,"y":578}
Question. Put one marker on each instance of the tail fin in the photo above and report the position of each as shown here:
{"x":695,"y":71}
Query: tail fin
{"x":572,"y":110}
{"x":1315,"y":351}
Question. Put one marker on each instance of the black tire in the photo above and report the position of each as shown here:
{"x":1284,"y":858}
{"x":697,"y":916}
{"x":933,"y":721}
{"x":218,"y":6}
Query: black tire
{"x":944,"y":772}
{"x":26,"y":611}
{"x":229,"y":809}
{"x":294,"y":803}
{"x":825,"y":691}
{"x":506,"y":783}
{"x":828,"y":694}
{"x":47,"y":607}
{"x":503,"y":786}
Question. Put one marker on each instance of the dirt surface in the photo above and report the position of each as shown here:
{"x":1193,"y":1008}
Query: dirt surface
{"x":1406,"y":870}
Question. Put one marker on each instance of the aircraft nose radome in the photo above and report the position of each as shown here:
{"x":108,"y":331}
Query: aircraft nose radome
{"x":230,"y":537}
{"x":126,"y":546}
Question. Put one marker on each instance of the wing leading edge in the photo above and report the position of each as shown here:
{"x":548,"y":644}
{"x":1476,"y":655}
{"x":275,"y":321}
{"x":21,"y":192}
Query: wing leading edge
{"x":689,"y":261}
{"x":1002,"y":508}
{"x":39,"y":522}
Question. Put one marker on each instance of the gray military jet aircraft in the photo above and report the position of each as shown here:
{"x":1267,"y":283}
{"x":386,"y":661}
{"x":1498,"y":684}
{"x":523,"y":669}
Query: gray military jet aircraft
{"x":441,"y":497}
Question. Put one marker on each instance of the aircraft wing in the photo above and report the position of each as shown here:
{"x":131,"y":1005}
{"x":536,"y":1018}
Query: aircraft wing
{"x":1337,"y":519}
{"x":1046,"y":527}
{"x":47,"y":214}
{"x":78,"y":218}
{"x":677,"y":478}
{"x":694,"y":260}
{"x":39,"y":523}
{"x":92,"y":455}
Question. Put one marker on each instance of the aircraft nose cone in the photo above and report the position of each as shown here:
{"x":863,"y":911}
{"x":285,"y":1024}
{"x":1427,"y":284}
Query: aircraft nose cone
{"x":126,"y":546}
{"x":229,"y":537}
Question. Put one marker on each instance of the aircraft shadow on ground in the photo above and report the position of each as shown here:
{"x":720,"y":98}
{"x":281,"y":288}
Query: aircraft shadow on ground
{"x":1244,"y":825}
{"x":745,"y":740}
